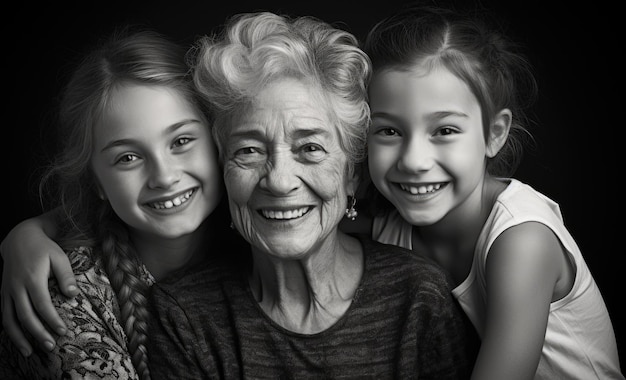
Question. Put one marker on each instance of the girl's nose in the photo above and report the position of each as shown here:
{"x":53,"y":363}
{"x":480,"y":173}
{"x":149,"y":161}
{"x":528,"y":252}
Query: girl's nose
{"x":417,"y":156}
{"x":164,"y":174}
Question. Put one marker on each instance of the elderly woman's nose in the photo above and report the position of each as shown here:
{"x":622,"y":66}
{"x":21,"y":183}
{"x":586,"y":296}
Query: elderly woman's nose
{"x":282,"y":174}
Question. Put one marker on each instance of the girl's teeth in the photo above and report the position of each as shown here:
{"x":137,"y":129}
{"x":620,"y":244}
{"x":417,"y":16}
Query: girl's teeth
{"x":177,"y":201}
{"x":423,"y":189}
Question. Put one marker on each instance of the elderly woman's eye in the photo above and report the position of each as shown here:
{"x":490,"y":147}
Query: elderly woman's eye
{"x":312,"y":148}
{"x":313,"y":151}
{"x":249,"y":154}
{"x":247,"y":150}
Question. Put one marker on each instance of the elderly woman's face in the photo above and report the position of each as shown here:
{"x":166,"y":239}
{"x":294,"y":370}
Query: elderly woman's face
{"x":285,"y":173}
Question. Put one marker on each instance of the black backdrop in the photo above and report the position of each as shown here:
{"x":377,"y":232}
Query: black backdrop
{"x":574,"y":49}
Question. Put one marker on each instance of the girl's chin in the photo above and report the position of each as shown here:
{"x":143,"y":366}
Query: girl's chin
{"x":419,"y":218}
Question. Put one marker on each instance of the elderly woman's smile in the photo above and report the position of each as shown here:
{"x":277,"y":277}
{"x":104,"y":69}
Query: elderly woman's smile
{"x":285,"y":171}
{"x":304,"y":299}
{"x":284,"y":214}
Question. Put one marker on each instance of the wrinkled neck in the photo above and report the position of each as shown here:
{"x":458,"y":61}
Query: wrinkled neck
{"x":310,"y":294}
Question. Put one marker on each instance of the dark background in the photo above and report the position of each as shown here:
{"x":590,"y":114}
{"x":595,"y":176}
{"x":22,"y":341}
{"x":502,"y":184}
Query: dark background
{"x":574,"y":49}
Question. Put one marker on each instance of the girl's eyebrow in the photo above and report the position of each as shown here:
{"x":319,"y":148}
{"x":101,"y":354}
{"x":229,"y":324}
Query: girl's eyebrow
{"x":432,"y":116}
{"x":385,"y":115}
{"x":441,"y":114}
{"x":171,"y":129}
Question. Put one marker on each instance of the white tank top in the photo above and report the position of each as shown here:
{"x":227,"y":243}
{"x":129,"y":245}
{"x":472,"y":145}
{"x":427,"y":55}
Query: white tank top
{"x":580,"y":341}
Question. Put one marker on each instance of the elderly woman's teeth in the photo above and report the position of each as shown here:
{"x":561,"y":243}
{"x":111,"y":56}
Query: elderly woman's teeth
{"x":289,"y":214}
{"x":176,"y":201}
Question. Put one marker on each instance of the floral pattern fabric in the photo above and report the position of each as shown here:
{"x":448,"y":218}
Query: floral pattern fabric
{"x":95,"y":346}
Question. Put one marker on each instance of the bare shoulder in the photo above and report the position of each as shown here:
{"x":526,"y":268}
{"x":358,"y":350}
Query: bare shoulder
{"x":529,"y":251}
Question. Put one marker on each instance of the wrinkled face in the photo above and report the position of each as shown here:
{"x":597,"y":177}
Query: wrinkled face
{"x":426,"y":148}
{"x":155,"y":161}
{"x":285,"y":172}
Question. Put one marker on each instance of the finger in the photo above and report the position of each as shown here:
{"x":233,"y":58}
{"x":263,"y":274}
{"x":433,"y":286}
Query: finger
{"x":62,"y":271}
{"x":45,"y":309}
{"x":10,"y":323}
{"x":14,"y":331}
{"x":31,"y":323}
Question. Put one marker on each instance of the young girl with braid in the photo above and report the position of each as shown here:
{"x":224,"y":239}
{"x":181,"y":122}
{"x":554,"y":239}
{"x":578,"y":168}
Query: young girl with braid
{"x":136,"y":181}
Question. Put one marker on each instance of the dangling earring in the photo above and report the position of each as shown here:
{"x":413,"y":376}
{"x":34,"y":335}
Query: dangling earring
{"x":232,"y":225}
{"x":351,"y":212}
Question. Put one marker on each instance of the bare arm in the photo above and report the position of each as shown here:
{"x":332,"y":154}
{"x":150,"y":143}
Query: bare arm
{"x":30,"y":258}
{"x":523,"y":267}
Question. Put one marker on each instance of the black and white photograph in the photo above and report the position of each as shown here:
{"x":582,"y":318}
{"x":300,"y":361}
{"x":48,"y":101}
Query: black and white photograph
{"x":329,"y":189}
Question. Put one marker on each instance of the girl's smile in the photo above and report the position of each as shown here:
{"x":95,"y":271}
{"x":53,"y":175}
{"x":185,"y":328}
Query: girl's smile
{"x":173,"y":204}
{"x":426,"y":147}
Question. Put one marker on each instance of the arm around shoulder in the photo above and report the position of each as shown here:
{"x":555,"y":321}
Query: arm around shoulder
{"x":21,"y":236}
{"x":30,"y":256}
{"x":94,"y":344}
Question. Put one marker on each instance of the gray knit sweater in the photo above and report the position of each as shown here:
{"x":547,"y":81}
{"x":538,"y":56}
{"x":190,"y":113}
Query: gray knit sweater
{"x":402,"y":324}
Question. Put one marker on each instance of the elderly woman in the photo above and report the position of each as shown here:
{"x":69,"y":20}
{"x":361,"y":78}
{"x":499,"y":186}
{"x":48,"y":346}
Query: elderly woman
{"x":291,"y":118}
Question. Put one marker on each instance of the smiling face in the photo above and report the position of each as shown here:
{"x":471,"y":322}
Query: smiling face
{"x":426,"y":149}
{"x":155,"y":161}
{"x":285,"y":171}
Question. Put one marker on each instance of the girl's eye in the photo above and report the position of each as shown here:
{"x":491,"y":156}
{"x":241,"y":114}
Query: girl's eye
{"x":388,"y":131}
{"x":182,"y":141}
{"x":127,"y":158}
{"x":446,"y":131}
